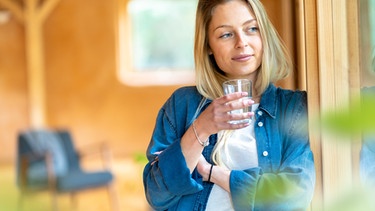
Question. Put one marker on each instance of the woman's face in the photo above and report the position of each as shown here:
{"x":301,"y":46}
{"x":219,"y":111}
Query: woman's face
{"x":234,"y":40}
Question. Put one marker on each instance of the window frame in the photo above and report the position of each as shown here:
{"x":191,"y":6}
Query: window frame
{"x":126,"y":72}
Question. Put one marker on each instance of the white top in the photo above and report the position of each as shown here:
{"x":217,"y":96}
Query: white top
{"x":241,"y":154}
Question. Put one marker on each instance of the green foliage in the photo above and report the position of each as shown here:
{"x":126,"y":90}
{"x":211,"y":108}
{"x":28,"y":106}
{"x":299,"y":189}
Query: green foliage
{"x":140,"y":158}
{"x":358,"y":199}
{"x":357,"y":119}
{"x":275,"y":188}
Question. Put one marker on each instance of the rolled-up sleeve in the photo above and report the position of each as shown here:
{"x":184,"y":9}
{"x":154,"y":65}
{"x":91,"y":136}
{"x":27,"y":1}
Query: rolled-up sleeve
{"x":166,"y":176}
{"x":290,"y":189}
{"x":286,"y":178}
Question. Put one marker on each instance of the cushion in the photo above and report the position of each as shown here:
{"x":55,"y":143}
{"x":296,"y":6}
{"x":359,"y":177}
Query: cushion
{"x":40,"y":142}
{"x":81,"y":180}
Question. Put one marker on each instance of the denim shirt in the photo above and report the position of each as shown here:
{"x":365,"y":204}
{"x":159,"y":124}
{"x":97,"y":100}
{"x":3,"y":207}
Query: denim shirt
{"x":284,"y":179}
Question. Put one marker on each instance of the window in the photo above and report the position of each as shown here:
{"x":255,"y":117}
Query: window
{"x":156,"y":39}
{"x":367,"y":31}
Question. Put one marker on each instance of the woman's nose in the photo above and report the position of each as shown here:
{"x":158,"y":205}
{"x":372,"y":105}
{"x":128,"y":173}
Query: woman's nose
{"x":241,"y":41}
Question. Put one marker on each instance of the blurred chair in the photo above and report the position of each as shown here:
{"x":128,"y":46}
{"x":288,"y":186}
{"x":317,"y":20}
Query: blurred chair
{"x":48,"y":160}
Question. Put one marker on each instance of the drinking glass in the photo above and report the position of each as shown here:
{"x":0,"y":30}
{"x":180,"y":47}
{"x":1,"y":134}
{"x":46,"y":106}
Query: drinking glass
{"x":238,"y":85}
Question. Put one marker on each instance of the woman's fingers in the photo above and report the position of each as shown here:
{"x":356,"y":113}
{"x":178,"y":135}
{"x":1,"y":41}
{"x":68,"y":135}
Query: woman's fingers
{"x":239,"y":116}
{"x":224,"y":110}
{"x":238,"y":104}
{"x":232,"y":97}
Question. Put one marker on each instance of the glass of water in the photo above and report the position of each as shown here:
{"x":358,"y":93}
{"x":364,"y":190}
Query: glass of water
{"x":238,"y":85}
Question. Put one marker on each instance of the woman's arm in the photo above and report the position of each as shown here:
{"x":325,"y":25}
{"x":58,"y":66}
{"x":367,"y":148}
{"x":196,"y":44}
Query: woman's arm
{"x":169,"y":175}
{"x":213,"y":119}
{"x":289,"y":189}
{"x":286,"y":179}
{"x":216,"y":174}
{"x":285,"y":184}
{"x":166,"y":176}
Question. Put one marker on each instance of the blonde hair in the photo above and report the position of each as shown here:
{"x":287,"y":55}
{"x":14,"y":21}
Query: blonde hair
{"x":276,"y":63}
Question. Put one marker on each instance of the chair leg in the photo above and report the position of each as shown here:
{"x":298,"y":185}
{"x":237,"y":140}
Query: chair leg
{"x":113,"y":197}
{"x":51,"y":179}
{"x":54,"y":205}
{"x":73,"y":201}
{"x":20,"y":202}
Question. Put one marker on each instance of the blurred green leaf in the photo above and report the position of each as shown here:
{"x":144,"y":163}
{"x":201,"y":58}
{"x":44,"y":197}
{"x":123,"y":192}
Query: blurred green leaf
{"x":357,"y":119}
{"x":140,"y":158}
{"x":274,"y":189}
{"x":358,"y":199}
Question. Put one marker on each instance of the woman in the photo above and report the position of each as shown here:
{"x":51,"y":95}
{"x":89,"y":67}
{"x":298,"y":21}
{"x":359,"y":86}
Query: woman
{"x":197,"y":159}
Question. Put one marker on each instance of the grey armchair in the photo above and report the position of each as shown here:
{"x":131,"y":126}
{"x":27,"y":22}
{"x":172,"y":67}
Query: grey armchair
{"x":48,"y":160}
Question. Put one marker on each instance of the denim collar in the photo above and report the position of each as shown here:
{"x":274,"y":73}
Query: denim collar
{"x":268,"y":101}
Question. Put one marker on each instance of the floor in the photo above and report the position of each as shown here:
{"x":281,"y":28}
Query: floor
{"x":128,"y":185}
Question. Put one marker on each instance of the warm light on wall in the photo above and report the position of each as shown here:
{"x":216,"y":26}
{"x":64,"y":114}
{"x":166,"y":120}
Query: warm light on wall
{"x":4,"y":16}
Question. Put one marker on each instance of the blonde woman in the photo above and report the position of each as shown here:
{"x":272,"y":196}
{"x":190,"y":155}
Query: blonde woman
{"x":198,"y":160}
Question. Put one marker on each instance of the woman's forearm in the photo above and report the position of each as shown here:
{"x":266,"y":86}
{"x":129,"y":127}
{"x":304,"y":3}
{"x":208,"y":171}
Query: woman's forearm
{"x":190,"y":146}
{"x":220,"y":176}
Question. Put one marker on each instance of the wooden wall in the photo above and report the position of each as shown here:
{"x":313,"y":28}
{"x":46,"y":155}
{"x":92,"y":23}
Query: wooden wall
{"x":13,"y":87}
{"x":82,"y":92}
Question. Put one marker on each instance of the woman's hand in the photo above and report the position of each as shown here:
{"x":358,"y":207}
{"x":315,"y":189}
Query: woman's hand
{"x":203,"y":168}
{"x":213,"y":119}
{"x":219,"y":175}
{"x":217,"y":115}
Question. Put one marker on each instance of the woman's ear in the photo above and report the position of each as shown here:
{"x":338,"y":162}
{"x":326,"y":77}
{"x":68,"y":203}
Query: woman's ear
{"x":209,"y":51}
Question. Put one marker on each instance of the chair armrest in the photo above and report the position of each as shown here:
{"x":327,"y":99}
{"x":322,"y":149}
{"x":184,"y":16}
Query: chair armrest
{"x":31,"y":157}
{"x":101,"y":149}
{"x":25,"y":161}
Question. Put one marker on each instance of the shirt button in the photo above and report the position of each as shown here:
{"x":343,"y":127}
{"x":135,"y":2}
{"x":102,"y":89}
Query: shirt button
{"x":260,"y":124}
{"x":265,"y":153}
{"x":260,"y":113}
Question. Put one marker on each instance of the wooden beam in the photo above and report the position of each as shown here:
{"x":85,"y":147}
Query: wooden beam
{"x":14,"y":8}
{"x":35,"y":64}
{"x":354,"y":75}
{"x":334,"y":85}
{"x":47,"y":8}
{"x":309,"y":33}
{"x":301,"y":43}
{"x":33,"y":17}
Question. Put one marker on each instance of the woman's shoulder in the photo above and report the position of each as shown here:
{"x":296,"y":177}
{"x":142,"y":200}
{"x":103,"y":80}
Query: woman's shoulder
{"x":186,"y":93}
{"x":291,"y":99}
{"x":292,"y":105}
{"x":291,"y":94}
{"x":186,"y":90}
{"x":182,"y":104}
{"x":184,"y":96}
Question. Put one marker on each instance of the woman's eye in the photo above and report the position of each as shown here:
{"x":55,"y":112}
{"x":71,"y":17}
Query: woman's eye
{"x":226,"y":35}
{"x":253,"y":29}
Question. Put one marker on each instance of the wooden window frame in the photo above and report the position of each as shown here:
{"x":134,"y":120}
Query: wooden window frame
{"x":329,"y":45}
{"x":125,"y":72}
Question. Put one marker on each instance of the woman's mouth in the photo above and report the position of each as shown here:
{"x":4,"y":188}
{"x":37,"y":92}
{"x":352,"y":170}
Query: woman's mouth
{"x":242,"y":58}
